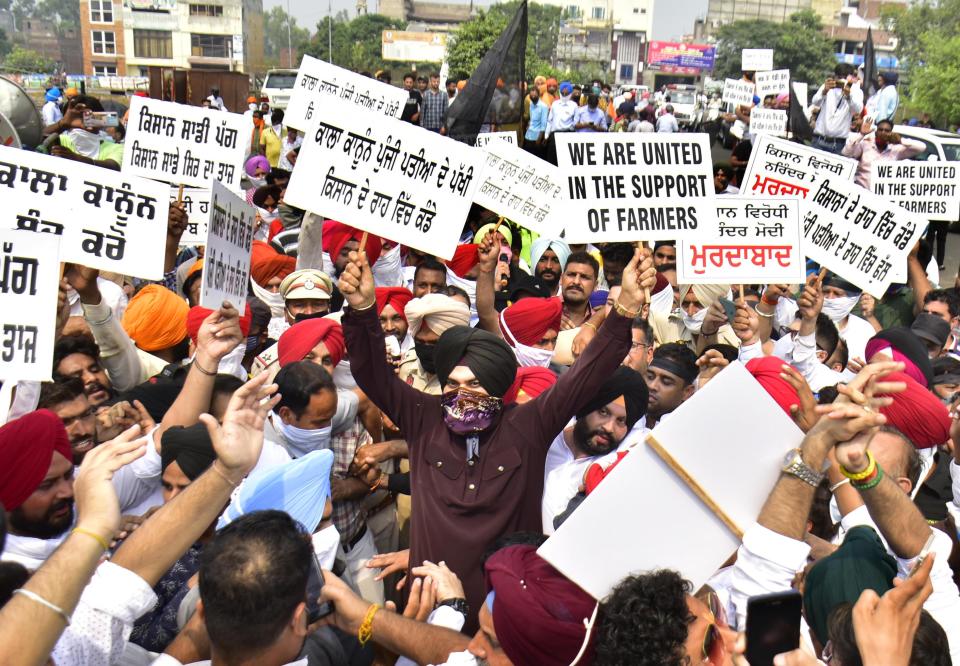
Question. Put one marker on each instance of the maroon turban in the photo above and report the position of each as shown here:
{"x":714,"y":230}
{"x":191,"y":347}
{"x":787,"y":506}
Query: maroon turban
{"x":538,"y":613}
{"x":27,"y":446}
{"x":917,"y":413}
{"x":529,"y":319}
{"x":766,"y":370}
{"x":338,"y":234}
{"x":297,"y":341}
{"x":397,"y":297}
{"x":532,"y":381}
{"x":197,"y":315}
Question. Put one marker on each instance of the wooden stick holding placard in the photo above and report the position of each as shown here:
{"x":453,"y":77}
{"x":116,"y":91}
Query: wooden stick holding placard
{"x":695,"y":487}
{"x":179,"y":195}
{"x":497,"y":226}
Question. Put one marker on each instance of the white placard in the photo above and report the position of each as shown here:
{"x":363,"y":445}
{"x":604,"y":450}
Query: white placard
{"x":929,"y":189}
{"x":28,"y":304}
{"x":226,"y":261}
{"x":106,"y":220}
{"x":776,"y":82}
{"x":757,"y":242}
{"x":644,"y":490}
{"x":393,"y":179}
{"x":860,"y":236}
{"x":318,"y":81}
{"x":196,"y":203}
{"x":522,"y":188}
{"x":738,"y":92}
{"x":768,"y":121}
{"x":802,"y":91}
{"x":784,"y":168}
{"x":631,"y":186}
{"x":185,"y":145}
{"x":756,"y":60}
{"x":485,"y":138}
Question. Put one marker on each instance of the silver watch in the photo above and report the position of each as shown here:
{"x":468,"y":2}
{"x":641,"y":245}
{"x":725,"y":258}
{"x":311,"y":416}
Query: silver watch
{"x":793,"y":464}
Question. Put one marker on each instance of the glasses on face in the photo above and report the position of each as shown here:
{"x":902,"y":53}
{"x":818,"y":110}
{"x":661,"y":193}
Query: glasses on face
{"x":634,"y":346}
{"x":713,"y":649}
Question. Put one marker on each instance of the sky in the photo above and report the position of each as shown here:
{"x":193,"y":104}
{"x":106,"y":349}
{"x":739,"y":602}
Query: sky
{"x":671,"y":18}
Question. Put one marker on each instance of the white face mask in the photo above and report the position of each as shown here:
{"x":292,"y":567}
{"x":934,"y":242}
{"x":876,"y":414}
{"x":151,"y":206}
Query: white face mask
{"x":695,"y":322}
{"x":301,"y":441}
{"x":257,"y":182}
{"x":529,"y":357}
{"x":325,"y":543}
{"x":267,"y":216}
{"x":252,"y":106}
{"x":839,"y":309}
{"x":86,"y":143}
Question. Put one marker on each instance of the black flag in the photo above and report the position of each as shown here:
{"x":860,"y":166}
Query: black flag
{"x":493,"y":94}
{"x":797,"y":122}
{"x":869,"y":66}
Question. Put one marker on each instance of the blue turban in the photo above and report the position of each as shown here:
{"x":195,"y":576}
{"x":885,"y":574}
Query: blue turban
{"x":542,"y":244}
{"x":566,"y":87}
{"x":53,"y":95}
{"x":300,"y":488}
{"x":890,"y":78}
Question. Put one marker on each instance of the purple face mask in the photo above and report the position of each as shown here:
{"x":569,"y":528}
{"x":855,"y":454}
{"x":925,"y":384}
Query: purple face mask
{"x":466,"y":412}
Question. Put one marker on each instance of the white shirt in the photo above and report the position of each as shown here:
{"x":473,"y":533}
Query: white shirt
{"x":285,"y":147}
{"x":561,"y":115}
{"x":562,"y":477}
{"x":217,"y":103}
{"x":836,"y":110}
{"x":667,"y":123}
{"x":51,"y":113}
{"x":856,"y":334}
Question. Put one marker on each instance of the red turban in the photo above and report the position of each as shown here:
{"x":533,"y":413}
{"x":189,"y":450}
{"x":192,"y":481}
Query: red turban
{"x":266,"y":264}
{"x":397,"y":297}
{"x":27,"y":446}
{"x":917,"y":413}
{"x":597,"y":472}
{"x":156,"y":318}
{"x":538,"y":613}
{"x":197,"y":314}
{"x":464,"y":259}
{"x":529,"y":319}
{"x":532,"y":380}
{"x":337,"y":234}
{"x":766,"y":370}
{"x":297,"y":341}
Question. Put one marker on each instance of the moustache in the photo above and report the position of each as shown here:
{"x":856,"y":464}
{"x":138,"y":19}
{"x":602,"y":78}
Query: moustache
{"x":59,"y":506}
{"x":94,"y":387}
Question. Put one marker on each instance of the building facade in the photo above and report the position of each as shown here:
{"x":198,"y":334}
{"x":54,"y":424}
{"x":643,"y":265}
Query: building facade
{"x":102,"y":38}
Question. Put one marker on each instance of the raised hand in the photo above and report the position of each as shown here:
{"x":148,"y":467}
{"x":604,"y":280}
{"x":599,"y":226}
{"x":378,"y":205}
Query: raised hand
{"x":805,"y":414}
{"x":639,"y":277}
{"x":710,"y":364}
{"x":489,"y":253}
{"x":84,"y":280}
{"x":745,"y":324}
{"x":810,"y":302}
{"x":356,"y":282}
{"x":447,"y":582}
{"x":219,"y":335}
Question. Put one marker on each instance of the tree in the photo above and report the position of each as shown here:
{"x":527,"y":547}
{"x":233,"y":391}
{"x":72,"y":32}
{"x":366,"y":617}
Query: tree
{"x":275,"y":24}
{"x":798,"y":45}
{"x":25,"y":60}
{"x":357,"y":43}
{"x":5,"y":44}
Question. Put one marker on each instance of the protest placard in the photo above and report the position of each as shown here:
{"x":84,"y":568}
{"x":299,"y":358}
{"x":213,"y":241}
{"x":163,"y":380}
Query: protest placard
{"x":28,"y":304}
{"x":226,"y":261}
{"x":757,"y":241}
{"x":780,"y":168}
{"x":385,"y":176}
{"x":185,"y":145}
{"x":626,"y":186}
{"x":756,"y":60}
{"x":738,"y":92}
{"x":859,"y":235}
{"x":929,"y":189}
{"x":522,"y":188}
{"x":196,"y":204}
{"x":106,"y":220}
{"x":768,"y":121}
{"x":598,"y":530}
{"x":776,"y":82}
{"x":485,"y":138}
{"x":318,"y":81}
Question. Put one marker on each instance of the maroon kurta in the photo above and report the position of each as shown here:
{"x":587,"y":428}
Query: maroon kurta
{"x":459,"y":507}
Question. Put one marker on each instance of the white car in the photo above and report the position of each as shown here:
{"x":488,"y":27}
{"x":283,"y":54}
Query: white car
{"x":277,"y":87}
{"x":940,"y":146}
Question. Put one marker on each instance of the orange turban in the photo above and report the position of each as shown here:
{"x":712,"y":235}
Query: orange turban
{"x":551,"y":81}
{"x":156,"y":318}
{"x":397,"y":297}
{"x":266,"y":264}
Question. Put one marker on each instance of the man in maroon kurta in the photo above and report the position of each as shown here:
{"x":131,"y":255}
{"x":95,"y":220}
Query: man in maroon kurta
{"x":462,"y":506}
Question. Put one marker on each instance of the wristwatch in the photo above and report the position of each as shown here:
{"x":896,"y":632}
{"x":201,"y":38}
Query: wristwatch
{"x":793,"y":464}
{"x":458,"y":604}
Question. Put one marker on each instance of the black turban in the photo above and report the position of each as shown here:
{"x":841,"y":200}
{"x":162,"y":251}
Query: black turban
{"x":489,"y":357}
{"x":834,"y":280}
{"x":191,"y":448}
{"x":907,"y":343}
{"x":625,"y":382}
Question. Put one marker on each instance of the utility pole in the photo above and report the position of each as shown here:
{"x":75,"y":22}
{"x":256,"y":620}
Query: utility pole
{"x":289,"y":39}
{"x":330,"y":29}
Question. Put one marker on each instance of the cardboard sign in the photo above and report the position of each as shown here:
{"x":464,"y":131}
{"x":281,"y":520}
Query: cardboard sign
{"x":522,"y":188}
{"x":738,"y":92}
{"x":768,"y":121}
{"x":756,"y":60}
{"x":860,"y":236}
{"x":29,"y":266}
{"x":929,"y":189}
{"x":185,"y":145}
{"x":318,"y":81}
{"x":776,"y":82}
{"x":757,"y":241}
{"x":642,"y":485}
{"x":484,"y":139}
{"x":196,"y":203}
{"x":385,"y":176}
{"x":226,"y":261}
{"x":105,"y":219}
{"x":780,"y":168}
{"x":631,"y":186}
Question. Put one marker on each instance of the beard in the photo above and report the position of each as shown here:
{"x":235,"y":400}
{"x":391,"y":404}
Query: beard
{"x":551,"y":281}
{"x":93,"y":388}
{"x":49,"y":527}
{"x":594,"y":442}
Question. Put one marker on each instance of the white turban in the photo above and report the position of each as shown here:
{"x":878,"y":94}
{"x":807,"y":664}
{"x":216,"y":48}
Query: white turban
{"x":541,"y":245}
{"x":439,"y":311}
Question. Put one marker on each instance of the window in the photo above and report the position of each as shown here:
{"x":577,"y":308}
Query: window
{"x":626,"y":72}
{"x":152,"y":44}
{"x":104,"y":70}
{"x":573,"y":11}
{"x":211,"y":46}
{"x":101,"y":11}
{"x":206,"y":10}
{"x":103,"y":42}
{"x":598,"y":12}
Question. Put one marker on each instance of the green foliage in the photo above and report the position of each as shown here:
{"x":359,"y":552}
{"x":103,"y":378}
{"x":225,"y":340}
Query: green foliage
{"x":62,"y":13}
{"x":275,"y":36}
{"x":357,"y":43}
{"x":25,"y":60}
{"x":5,"y":44}
{"x":798,"y":45}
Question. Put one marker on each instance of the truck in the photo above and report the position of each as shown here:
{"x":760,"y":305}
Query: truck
{"x":687,"y":102}
{"x":277,"y":86}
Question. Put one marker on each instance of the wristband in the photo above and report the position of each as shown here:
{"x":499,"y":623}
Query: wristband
{"x":33,"y":596}
{"x":871,"y":482}
{"x":591,"y":325}
{"x":860,"y":476}
{"x":763,"y":314}
{"x":221,"y":474}
{"x":365,"y":632}
{"x":93,"y":535}
{"x":837,"y":485}
{"x":197,"y":365}
{"x":771,"y":302}
{"x":365,"y":307}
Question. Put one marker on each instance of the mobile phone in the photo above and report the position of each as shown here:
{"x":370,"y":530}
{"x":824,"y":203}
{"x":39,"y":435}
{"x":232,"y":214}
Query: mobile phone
{"x":101,"y":119}
{"x":773,"y":626}
{"x":315,"y":608}
{"x":731,"y":311}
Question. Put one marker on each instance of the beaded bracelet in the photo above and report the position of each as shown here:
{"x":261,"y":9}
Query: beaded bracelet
{"x":365,"y":633}
{"x":872,"y":482}
{"x":860,"y":476}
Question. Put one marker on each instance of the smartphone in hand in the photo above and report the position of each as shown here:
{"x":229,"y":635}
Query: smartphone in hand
{"x":773,"y":626}
{"x":315,"y":608}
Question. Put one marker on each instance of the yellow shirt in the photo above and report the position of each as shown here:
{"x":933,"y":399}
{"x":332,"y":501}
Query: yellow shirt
{"x":272,"y":145}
